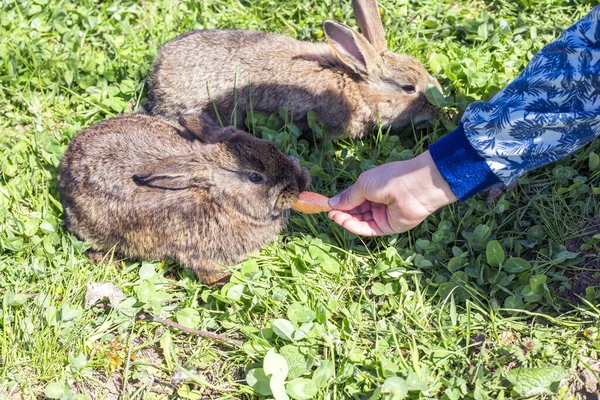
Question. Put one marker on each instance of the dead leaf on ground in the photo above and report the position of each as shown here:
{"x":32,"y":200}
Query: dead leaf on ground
{"x":97,"y":291}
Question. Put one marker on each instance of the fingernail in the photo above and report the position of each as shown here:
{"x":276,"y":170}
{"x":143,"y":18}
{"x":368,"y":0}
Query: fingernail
{"x":334,"y":201}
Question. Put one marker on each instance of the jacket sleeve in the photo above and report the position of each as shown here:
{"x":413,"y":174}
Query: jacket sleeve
{"x":550,"y":110}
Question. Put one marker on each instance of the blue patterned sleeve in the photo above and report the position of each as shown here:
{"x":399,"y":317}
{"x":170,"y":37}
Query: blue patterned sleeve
{"x":550,"y":110}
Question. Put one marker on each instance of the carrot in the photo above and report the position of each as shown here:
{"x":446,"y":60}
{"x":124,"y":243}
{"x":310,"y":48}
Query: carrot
{"x":311,"y":203}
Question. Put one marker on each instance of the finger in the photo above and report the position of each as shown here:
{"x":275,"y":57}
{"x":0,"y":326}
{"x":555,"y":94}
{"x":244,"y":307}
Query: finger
{"x":348,"y":199}
{"x":362,"y":228}
{"x":355,"y":225}
{"x":366,"y":206}
{"x":355,"y":211}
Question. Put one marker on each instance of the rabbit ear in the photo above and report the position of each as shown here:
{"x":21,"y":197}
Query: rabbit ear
{"x":172,"y":174}
{"x":352,"y":48}
{"x":201,"y":127}
{"x":369,"y":21}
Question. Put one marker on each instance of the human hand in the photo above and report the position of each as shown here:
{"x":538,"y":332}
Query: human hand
{"x":392,"y":198}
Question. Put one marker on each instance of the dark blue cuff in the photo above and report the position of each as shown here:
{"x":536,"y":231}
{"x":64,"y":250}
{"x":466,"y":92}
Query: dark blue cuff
{"x":461,"y":166}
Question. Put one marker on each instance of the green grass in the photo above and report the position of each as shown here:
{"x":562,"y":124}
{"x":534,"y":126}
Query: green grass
{"x":467,"y":305}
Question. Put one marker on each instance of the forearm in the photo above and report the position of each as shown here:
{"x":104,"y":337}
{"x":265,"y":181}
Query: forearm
{"x":429,"y":184}
{"x":549,"y":111}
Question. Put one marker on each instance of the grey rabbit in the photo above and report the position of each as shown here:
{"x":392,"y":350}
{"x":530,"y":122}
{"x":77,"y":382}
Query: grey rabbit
{"x":353,"y":82}
{"x":199,"y":195}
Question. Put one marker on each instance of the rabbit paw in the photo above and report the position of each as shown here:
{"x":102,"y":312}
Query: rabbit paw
{"x":211,"y":274}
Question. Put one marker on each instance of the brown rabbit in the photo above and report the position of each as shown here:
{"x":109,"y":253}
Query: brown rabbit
{"x":353,"y":83}
{"x":198,"y":195}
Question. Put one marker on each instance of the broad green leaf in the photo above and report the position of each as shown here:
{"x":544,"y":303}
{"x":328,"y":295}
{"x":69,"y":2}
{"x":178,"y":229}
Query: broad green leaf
{"x":115,"y":103}
{"x":529,"y":382}
{"x":15,"y":299}
{"x":30,"y":227}
{"x":562,"y":256}
{"x":594,"y":161}
{"x":236,"y":291}
{"x":67,"y":313}
{"x":513,"y":302}
{"x":534,"y":233}
{"x":388,"y":368}
{"x":478,"y":79}
{"x":188,"y":317}
{"x":414,"y":383}
{"x":480,"y":393}
{"x":127,"y":86}
{"x":378,"y":289}
{"x":457,"y":263}
{"x":283,"y":328}
{"x":438,"y":62}
{"x":494,"y":254}
{"x":324,"y":373}
{"x":537,"y":282}
{"x":482,"y":31}
{"x":77,"y":363}
{"x":375,"y":394}
{"x":298,"y":363}
{"x":277,"y":385}
{"x":330,"y":265}
{"x":460,"y":294}
{"x":423,"y":243}
{"x":298,"y":313}
{"x":146,"y":291}
{"x":47,"y":227}
{"x":452,"y":394}
{"x":301,"y":389}
{"x":302,"y":332}
{"x":434,"y":96}
{"x":515,"y":265}
{"x":250,"y":270}
{"x":259,"y":381}
{"x":16,"y":244}
{"x":54,"y":390}
{"x":274,"y":364}
{"x":530,"y":295}
{"x":185,"y":392}
{"x":147,"y":271}
{"x":395,"y":386}
{"x":346,"y":372}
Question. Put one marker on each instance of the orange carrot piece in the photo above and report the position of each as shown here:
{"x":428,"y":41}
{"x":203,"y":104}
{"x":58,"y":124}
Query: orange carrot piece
{"x":311,"y":203}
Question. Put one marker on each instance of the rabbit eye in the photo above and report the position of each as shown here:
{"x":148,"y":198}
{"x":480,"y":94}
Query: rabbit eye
{"x":408,"y":88}
{"x":255,"y":177}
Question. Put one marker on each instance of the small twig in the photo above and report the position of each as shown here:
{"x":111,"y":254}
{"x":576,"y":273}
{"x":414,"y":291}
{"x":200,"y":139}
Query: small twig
{"x":155,"y":389}
{"x":209,"y":335}
{"x":30,"y":295}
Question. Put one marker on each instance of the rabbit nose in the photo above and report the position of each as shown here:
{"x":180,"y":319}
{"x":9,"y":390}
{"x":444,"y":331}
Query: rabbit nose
{"x":303,"y":180}
{"x":296,"y":161}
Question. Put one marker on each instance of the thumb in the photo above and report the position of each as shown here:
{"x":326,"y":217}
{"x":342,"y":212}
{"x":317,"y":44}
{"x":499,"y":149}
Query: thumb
{"x":348,"y":199}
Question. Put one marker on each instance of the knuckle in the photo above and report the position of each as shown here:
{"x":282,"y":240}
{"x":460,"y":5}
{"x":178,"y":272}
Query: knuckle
{"x":362,"y":178}
{"x":346,"y":195}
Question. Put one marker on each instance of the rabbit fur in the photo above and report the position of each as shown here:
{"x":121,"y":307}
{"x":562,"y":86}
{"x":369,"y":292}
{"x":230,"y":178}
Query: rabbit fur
{"x":353,"y":82}
{"x":201,"y":195}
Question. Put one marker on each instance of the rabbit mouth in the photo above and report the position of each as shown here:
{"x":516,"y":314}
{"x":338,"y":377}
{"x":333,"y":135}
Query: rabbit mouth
{"x":285,"y":200}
